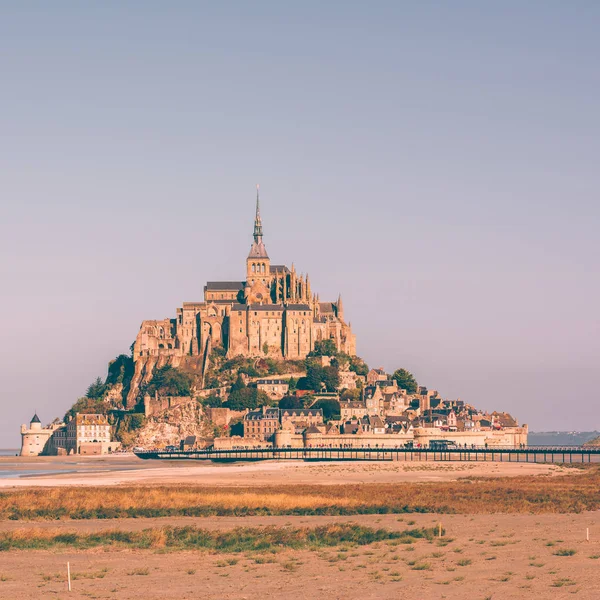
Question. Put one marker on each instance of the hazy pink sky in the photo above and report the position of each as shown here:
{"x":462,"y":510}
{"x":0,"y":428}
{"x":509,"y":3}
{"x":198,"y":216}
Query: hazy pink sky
{"x":437,"y":163}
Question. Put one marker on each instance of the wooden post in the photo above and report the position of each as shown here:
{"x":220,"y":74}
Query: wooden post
{"x":440,"y":529}
{"x":69,"y":576}
{"x":587,"y":534}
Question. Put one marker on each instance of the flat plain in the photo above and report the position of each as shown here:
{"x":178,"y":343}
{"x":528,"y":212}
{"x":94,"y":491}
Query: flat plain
{"x":276,"y":530}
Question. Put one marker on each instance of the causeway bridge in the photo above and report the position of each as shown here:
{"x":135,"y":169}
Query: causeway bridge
{"x":530,"y":454}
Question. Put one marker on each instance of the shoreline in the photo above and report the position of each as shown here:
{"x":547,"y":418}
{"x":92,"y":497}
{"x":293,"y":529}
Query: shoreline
{"x":128,"y":470}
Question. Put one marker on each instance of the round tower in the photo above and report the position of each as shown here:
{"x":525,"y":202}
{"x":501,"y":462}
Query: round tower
{"x":34,"y":437}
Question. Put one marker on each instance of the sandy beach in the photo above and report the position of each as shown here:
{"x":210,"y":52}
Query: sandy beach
{"x":127,"y":470}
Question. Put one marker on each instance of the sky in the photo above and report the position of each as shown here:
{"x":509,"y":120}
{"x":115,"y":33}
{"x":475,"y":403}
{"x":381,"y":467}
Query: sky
{"x":435,"y":162}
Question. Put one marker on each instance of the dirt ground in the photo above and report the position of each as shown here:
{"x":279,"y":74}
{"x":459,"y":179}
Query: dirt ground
{"x":483,"y":557}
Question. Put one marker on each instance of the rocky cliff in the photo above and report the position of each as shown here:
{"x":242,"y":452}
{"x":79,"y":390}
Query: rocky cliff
{"x":173,"y":425}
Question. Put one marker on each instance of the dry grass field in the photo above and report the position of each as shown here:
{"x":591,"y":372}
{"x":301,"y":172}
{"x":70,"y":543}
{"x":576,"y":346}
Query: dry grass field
{"x":576,"y":491}
{"x":502,"y":538}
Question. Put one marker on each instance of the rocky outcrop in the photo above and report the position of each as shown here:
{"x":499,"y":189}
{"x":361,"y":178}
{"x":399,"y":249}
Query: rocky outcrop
{"x":144,"y":368}
{"x":173,"y":425}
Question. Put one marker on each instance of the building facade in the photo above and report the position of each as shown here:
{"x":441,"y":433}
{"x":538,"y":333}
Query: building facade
{"x":261,"y":424}
{"x":272,"y":312}
{"x":35,"y":439}
{"x":83,"y":434}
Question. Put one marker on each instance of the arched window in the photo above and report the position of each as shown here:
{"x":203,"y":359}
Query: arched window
{"x":253,"y":268}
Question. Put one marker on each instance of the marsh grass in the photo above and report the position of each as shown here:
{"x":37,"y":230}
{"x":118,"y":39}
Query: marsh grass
{"x":573,"y":492}
{"x":565,"y":552}
{"x":90,"y":574}
{"x":563,"y":581}
{"x":240,"y":539}
{"x":139,"y":572}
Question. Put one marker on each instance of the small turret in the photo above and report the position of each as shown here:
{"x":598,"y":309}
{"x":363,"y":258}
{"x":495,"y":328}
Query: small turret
{"x":340,"y":308}
{"x":35,"y":423}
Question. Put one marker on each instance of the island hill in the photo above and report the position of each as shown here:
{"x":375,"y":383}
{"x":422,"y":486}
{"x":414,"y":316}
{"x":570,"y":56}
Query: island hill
{"x":263,"y":361}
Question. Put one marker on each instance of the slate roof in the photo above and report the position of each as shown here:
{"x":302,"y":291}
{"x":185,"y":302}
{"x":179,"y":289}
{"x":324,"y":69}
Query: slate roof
{"x":258,"y":415}
{"x":35,"y":419}
{"x":258,"y":250}
{"x":297,"y":307}
{"x":352,"y":404}
{"x":313,"y":429}
{"x":224,"y":285}
{"x":279,"y":269}
{"x":301,"y":412}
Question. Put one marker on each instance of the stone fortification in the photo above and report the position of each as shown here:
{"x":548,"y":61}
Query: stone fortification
{"x":273,"y":312}
{"x":510,"y":437}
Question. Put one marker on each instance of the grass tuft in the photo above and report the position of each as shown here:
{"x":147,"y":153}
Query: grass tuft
{"x":565,"y":552}
{"x":240,"y":539}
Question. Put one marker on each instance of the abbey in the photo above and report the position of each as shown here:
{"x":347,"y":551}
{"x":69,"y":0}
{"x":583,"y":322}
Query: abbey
{"x":272,"y":313}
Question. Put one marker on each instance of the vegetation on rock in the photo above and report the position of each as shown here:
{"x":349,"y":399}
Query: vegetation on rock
{"x":330,"y":406}
{"x":406,"y":380}
{"x":169,"y":381}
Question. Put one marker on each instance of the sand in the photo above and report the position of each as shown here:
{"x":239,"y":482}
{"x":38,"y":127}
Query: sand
{"x":498,"y":557}
{"x":128,"y":470}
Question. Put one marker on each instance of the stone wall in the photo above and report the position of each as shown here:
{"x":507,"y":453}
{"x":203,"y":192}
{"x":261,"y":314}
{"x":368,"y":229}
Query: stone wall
{"x":154,"y":405}
{"x":508,"y":437}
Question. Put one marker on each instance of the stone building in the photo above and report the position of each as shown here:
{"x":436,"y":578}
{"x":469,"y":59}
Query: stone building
{"x":275,"y":388}
{"x":35,"y":439}
{"x":301,"y":416}
{"x":261,"y":424}
{"x":272,"y":312}
{"x":89,"y":434}
{"x":83,"y":434}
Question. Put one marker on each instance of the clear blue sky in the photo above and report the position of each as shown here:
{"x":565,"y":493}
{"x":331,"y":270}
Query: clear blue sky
{"x":436,"y":162}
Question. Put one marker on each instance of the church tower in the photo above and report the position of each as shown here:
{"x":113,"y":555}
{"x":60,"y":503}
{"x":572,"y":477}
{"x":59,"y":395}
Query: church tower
{"x":258,"y":264}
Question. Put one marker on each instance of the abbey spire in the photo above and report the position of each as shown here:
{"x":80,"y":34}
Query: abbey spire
{"x":258,"y":233}
{"x":258,"y":249}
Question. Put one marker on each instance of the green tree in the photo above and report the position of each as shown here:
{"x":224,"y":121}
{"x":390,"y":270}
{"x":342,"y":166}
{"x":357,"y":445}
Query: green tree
{"x":239,"y":384}
{"x":120,"y":370}
{"x":292,"y":384}
{"x":246,"y":398}
{"x":211,"y":401}
{"x":318,"y":377}
{"x":87,"y":406}
{"x":96,"y":390}
{"x":331,"y":408}
{"x":324,"y":348}
{"x":236,"y":427}
{"x":288,"y":402}
{"x":351,"y":395}
{"x":358,"y":365}
{"x":169,"y":381}
{"x":406,"y":380}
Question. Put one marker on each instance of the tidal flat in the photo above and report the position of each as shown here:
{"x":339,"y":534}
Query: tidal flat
{"x":336,"y":530}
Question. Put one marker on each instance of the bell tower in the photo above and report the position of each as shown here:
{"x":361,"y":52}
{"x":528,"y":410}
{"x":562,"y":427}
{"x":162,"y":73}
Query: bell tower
{"x":258,"y":264}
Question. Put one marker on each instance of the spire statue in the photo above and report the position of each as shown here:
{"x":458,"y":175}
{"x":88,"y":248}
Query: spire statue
{"x":340,"y":308}
{"x":258,"y":232}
